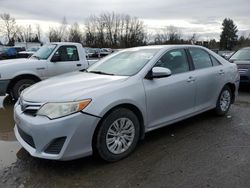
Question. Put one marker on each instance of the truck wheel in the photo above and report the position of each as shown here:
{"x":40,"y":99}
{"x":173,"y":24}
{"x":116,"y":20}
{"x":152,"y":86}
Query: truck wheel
{"x":19,"y":86}
{"x":118,"y":135}
{"x":224,"y":101}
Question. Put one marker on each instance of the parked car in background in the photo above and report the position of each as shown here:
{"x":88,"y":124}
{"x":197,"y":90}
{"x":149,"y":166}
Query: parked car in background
{"x":97,"y":52}
{"x":242,"y":59}
{"x":29,"y":52}
{"x":105,"y":51}
{"x":1,"y":52}
{"x":10,"y":52}
{"x":91,"y":52}
{"x":50,"y":60}
{"x":111,"y":105}
{"x":226,"y":54}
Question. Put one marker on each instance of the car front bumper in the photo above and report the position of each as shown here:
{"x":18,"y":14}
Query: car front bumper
{"x":37,"y":134}
{"x":244,"y":75}
{"x":3,"y":86}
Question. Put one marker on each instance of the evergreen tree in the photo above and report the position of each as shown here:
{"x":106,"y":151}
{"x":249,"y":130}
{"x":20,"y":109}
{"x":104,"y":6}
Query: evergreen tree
{"x":228,"y":37}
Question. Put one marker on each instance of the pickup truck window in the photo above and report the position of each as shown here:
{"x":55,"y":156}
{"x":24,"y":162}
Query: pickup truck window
{"x":67,"y":53}
{"x":44,"y":52}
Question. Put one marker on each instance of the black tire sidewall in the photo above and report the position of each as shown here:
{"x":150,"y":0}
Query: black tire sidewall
{"x":18,"y":84}
{"x":218,"y":109}
{"x":101,"y":146}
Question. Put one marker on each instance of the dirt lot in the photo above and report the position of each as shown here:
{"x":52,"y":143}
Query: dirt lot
{"x":204,"y":151}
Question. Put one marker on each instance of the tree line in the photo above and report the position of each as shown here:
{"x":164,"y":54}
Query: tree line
{"x":116,"y":31}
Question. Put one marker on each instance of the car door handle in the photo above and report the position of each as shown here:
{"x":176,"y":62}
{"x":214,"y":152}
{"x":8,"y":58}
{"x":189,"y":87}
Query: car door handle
{"x":40,"y":68}
{"x":221,"y":72}
{"x":78,"y":65}
{"x":191,"y":79}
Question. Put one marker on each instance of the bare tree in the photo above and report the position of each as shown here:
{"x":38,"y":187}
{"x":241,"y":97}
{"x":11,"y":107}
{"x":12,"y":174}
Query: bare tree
{"x":8,"y":28}
{"x":193,"y":39}
{"x":174,"y":35}
{"x":75,"y":34}
{"x":28,"y":33}
{"x":54,"y":35}
{"x":114,"y":30}
{"x":91,"y":31}
{"x":59,"y":34}
{"x":63,"y":29}
{"x":161,"y":37}
{"x":38,"y":32}
{"x":168,"y":35}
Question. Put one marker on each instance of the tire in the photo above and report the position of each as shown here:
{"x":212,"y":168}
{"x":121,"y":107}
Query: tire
{"x":224,"y":101}
{"x":19,"y":86}
{"x":123,"y":141}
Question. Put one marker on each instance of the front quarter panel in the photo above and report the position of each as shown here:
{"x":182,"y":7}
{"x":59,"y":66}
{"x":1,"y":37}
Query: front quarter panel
{"x":37,"y":68}
{"x":130,"y":91}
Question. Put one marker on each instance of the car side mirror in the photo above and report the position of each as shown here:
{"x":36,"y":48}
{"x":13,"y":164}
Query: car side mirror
{"x":159,"y":72}
{"x":55,"y":58}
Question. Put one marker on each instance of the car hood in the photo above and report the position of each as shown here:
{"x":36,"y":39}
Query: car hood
{"x":11,"y":62}
{"x":69,"y":87}
{"x":243,"y":64}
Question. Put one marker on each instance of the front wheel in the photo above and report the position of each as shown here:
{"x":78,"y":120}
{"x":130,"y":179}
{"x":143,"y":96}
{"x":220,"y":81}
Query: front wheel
{"x":19,"y":86}
{"x":224,"y":101}
{"x":118,"y":135}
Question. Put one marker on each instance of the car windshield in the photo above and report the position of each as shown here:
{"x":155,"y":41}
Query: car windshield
{"x":44,"y":52}
{"x":243,"y":54}
{"x":126,"y":63}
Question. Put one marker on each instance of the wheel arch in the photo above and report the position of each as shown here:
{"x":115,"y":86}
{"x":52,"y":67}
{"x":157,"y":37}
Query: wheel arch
{"x":128,"y":106}
{"x":233,"y":90}
{"x":20,"y":77}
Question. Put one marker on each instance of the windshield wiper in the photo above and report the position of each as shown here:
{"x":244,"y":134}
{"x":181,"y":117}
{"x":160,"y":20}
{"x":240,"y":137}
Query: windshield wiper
{"x":99,"y":72}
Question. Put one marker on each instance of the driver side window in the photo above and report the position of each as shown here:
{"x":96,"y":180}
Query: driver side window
{"x":66,"y":53}
{"x":175,"y":60}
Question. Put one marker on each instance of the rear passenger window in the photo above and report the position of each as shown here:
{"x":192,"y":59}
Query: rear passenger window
{"x":175,"y":60}
{"x":215,"y":61}
{"x":200,"y":58}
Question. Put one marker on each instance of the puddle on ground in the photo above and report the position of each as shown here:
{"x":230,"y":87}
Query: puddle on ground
{"x":8,"y":144}
{"x":8,"y":153}
{"x":6,"y":119}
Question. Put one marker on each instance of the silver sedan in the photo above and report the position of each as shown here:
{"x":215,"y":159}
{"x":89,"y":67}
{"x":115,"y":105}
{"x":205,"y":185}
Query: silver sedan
{"x":109,"y":107}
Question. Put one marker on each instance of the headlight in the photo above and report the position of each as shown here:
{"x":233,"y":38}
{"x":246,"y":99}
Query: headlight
{"x":57,"y":110}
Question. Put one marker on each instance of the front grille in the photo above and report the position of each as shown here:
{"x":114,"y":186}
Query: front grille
{"x":27,"y":138}
{"x":29,"y":108}
{"x":30,"y":112}
{"x":55,"y":146}
{"x":242,"y":70}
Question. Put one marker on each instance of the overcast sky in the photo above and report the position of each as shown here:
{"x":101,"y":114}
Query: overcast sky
{"x":203,"y":17}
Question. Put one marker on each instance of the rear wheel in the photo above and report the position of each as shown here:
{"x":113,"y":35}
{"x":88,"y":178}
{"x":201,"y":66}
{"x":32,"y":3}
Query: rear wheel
{"x":19,"y":86}
{"x":118,"y":135}
{"x":224,"y":101}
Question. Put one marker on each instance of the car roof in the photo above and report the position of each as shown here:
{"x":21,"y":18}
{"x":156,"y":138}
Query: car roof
{"x":165,"y":47}
{"x":65,"y":43}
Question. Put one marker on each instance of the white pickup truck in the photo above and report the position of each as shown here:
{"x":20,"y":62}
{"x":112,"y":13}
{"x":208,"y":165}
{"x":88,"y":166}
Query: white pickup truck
{"x":50,"y":60}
